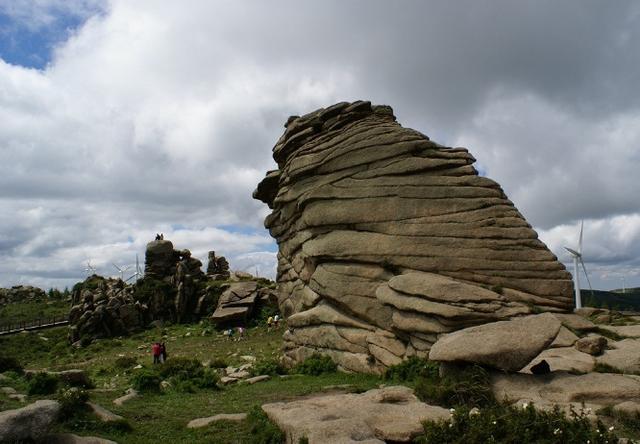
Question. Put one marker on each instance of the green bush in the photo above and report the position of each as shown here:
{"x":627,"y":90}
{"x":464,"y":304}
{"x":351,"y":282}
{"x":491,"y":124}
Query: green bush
{"x":9,"y":363}
{"x":72,"y":400}
{"x":125,"y":362}
{"x":315,"y":365}
{"x":263,"y":315}
{"x":263,"y":431}
{"x":218,"y":363}
{"x":146,"y":380}
{"x":270,"y":367}
{"x":468,"y":386}
{"x":42,"y":384}
{"x":412,"y":369}
{"x":513,"y":425}
{"x":189,"y":374}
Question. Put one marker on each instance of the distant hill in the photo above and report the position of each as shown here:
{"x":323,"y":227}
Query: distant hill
{"x":614,"y":299}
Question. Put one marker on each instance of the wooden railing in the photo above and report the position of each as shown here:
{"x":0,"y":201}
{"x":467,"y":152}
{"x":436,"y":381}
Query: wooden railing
{"x":48,"y":322}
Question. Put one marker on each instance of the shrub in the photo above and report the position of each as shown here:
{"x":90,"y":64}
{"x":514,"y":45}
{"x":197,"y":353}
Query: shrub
{"x":270,"y":367}
{"x":512,"y":425}
{"x":125,"y":362}
{"x":218,"y":363}
{"x":146,"y":380}
{"x":263,"y":315}
{"x":412,"y":369}
{"x":315,"y":365}
{"x":469,"y":386}
{"x":189,"y":374}
{"x":9,"y":363}
{"x":42,"y":384}
{"x":72,"y":400}
{"x":263,"y":431}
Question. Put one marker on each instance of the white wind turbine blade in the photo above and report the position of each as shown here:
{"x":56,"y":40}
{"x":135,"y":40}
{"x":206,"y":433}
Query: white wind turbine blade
{"x":572,"y":252}
{"x":585,"y":273}
{"x":580,"y":240}
{"x":117,"y":268}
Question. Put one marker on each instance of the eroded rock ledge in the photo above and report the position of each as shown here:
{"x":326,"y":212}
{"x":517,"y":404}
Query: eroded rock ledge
{"x":387,"y":240}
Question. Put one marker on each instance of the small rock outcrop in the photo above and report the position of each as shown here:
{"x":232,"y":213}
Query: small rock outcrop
{"x":388,"y":240}
{"x":28,"y":423}
{"x":390,"y":414}
{"x":239,"y":301}
{"x":174,"y":289}
{"x":21,"y":293}
{"x":218,"y":267}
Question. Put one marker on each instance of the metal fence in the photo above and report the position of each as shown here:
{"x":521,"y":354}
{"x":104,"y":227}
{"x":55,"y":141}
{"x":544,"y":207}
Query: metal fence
{"x":16,"y":327}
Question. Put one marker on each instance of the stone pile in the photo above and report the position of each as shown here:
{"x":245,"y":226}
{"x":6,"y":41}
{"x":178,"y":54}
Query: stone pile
{"x":388,"y":240}
{"x":21,"y":293}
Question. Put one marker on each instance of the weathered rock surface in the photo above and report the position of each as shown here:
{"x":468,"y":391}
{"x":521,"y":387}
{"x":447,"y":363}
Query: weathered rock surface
{"x":30,"y":422}
{"x":595,"y":389}
{"x":624,"y":355}
{"x":565,"y":338}
{"x":504,"y":345}
{"x":563,"y":359}
{"x":129,"y":395}
{"x":218,"y":267}
{"x":103,"y":414}
{"x":398,"y":237}
{"x":386,"y":414}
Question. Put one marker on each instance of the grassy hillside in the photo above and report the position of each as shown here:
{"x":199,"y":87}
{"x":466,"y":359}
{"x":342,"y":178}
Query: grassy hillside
{"x":616,"y":300}
{"x":162,"y":417}
{"x":26,"y":311}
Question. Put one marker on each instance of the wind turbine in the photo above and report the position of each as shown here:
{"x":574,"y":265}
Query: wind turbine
{"x":138,"y":273}
{"x":121,"y":270}
{"x":577,"y":258}
{"x":90,"y":269}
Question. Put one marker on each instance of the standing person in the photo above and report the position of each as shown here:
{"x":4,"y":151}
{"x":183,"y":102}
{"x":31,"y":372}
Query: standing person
{"x":240,"y":333}
{"x":155,"y":350}
{"x":269,"y":322}
{"x":163,"y":352}
{"x":276,"y":320}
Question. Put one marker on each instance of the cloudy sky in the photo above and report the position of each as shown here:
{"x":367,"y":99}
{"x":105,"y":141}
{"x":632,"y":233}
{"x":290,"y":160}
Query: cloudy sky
{"x":120,"y":119}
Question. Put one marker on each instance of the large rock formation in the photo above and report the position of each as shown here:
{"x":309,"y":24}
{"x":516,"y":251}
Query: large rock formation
{"x":173,"y":289}
{"x":218,"y":267}
{"x":387,"y":240}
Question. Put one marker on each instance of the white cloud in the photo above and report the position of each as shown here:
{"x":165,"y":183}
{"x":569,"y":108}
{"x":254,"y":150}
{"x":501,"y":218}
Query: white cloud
{"x":159,"y":114}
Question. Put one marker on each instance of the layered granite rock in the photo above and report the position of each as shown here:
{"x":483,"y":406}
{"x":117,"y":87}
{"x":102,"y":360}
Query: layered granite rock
{"x":388,"y":240}
{"x":239,"y":301}
{"x":21,"y":293}
{"x":218,"y":267}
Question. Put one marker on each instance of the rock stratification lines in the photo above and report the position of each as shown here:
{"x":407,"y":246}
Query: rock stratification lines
{"x":387,"y":239}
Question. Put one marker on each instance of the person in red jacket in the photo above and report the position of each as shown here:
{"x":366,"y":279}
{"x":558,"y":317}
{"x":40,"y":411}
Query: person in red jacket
{"x":155,"y":349}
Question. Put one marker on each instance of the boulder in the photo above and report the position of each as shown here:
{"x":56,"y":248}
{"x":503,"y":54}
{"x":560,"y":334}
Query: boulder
{"x":563,"y":359}
{"x":592,"y":344}
{"x":129,"y":395}
{"x":565,"y":338}
{"x":391,"y":231}
{"x":504,"y":345}
{"x":103,"y":414}
{"x":388,"y":414}
{"x":27,"y":423}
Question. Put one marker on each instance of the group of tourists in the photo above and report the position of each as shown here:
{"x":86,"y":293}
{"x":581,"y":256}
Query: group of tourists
{"x":159,"y":351}
{"x":230,"y":333}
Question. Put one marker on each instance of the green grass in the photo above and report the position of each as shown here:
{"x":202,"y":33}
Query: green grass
{"x":16,"y":312}
{"x":162,"y":417}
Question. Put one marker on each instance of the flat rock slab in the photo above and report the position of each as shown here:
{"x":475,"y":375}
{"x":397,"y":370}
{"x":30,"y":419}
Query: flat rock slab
{"x":256,"y":379}
{"x":630,"y":331}
{"x":565,"y":338}
{"x":103,"y":414}
{"x":564,"y":359}
{"x":30,"y":422}
{"x":386,"y":414}
{"x":131,"y":394}
{"x":504,"y":345}
{"x":624,"y":355}
{"x":203,"y":422}
{"x":226,"y":380}
{"x":68,"y":438}
{"x":575,"y":322}
{"x":562,"y":388}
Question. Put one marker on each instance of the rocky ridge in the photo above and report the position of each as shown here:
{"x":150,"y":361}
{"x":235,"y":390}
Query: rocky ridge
{"x":388,"y":240}
{"x":21,"y":293}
